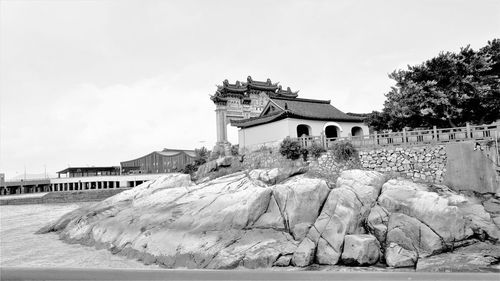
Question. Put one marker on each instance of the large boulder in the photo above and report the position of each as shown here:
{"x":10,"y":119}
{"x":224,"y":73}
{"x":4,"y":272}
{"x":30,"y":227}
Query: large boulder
{"x":453,"y":217}
{"x":276,"y":175}
{"x":304,"y":254}
{"x":361,"y":249}
{"x":377,"y":222}
{"x":413,"y":236}
{"x":478,"y":257}
{"x":397,"y":256}
{"x":344,"y":212}
{"x":299,"y":200}
{"x":172,"y":222}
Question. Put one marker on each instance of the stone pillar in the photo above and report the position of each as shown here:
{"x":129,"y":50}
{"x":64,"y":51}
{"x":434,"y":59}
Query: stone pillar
{"x":221,"y":124}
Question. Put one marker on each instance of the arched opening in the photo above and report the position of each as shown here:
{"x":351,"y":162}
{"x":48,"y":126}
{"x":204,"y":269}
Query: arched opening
{"x":356,"y":131}
{"x":332,"y":131}
{"x":302,"y":130}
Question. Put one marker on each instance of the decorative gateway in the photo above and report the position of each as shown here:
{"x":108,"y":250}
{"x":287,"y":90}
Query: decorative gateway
{"x":243,"y":100}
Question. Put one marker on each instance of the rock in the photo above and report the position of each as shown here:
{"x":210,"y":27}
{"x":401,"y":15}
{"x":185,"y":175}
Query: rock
{"x":225,"y":161}
{"x":361,"y":249}
{"x":283,"y":261}
{"x":344,"y":212}
{"x":377,"y":223}
{"x":272,"y":218}
{"x":412,"y":235}
{"x":396,"y":256}
{"x":452,"y":216}
{"x":366,"y":184}
{"x":255,"y":249}
{"x":206,"y":169}
{"x":299,"y":200}
{"x":479,"y":257}
{"x":184,"y":225}
{"x":276,"y":175}
{"x":304,"y":254}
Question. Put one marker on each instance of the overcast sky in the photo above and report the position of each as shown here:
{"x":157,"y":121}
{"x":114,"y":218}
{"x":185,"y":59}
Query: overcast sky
{"x":98,"y":82}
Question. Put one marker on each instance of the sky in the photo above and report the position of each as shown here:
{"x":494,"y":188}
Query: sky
{"x":93,"y":83}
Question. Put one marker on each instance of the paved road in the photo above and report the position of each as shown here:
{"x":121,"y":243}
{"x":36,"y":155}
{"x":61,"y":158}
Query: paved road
{"x":134,"y":274}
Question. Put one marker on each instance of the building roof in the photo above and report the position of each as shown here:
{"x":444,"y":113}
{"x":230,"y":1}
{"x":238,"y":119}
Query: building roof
{"x":168,"y":153}
{"x":280,"y":108}
{"x":88,"y":169}
{"x":243,"y":90}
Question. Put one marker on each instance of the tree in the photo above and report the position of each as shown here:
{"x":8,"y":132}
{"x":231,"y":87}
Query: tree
{"x":448,"y":90}
{"x":201,"y":156}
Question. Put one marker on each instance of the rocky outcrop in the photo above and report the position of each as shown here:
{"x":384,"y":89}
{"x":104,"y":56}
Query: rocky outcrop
{"x":478,"y":257}
{"x":344,"y":212}
{"x":417,"y":239}
{"x":279,"y":217}
{"x":361,"y":249}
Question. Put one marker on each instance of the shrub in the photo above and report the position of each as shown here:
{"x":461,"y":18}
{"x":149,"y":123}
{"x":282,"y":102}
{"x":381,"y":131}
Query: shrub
{"x":343,"y":150}
{"x":201,"y":156}
{"x":315,"y":150}
{"x":190,"y":168}
{"x":235,"y":150}
{"x":291,"y":149}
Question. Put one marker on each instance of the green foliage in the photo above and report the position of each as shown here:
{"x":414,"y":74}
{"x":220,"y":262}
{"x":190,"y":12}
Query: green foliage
{"x":447,"y":91}
{"x":315,"y":150}
{"x":190,"y":168}
{"x":291,"y":149}
{"x":235,"y":150}
{"x":201,"y":156}
{"x":343,"y":150}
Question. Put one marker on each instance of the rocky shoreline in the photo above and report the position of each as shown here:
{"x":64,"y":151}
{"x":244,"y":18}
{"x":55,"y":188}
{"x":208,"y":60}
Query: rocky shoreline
{"x":280,"y":217}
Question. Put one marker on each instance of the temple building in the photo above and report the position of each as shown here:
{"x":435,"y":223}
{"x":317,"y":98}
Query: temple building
{"x":165,"y":161}
{"x":265,"y":114}
{"x":243,"y":100}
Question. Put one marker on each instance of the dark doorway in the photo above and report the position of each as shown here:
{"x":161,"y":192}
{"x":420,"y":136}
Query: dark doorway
{"x":302,"y":130}
{"x":331,"y":132}
{"x":356,"y":132}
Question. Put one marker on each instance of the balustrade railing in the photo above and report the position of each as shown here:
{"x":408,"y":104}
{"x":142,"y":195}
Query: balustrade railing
{"x":415,"y":137}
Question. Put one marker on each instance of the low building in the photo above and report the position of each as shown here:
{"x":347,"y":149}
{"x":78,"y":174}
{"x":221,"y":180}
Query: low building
{"x":165,"y":161}
{"x":72,"y":172}
{"x":295,"y":117}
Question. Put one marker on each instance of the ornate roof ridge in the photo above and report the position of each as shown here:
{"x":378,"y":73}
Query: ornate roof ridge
{"x":301,"y":99}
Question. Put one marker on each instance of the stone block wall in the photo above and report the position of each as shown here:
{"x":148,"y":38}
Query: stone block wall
{"x":419,"y":163}
{"x":268,"y":158}
{"x":330,"y":168}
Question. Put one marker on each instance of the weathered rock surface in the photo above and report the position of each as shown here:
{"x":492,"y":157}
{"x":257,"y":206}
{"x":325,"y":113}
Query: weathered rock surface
{"x":344,"y":212}
{"x":377,"y":222}
{"x":397,"y":256}
{"x":412,"y":236}
{"x":477,"y":257}
{"x":276,"y":175}
{"x":361,"y":249}
{"x":451,"y":216}
{"x":299,"y":200}
{"x":304,"y":253}
{"x":262,"y":219}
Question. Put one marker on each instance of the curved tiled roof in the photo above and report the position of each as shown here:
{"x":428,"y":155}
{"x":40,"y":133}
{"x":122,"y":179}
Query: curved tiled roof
{"x":297,"y":108}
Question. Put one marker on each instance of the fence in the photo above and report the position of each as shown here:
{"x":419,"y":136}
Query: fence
{"x":416,"y":137}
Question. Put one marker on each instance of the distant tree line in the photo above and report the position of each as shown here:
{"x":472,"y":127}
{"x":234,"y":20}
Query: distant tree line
{"x":446,"y":91}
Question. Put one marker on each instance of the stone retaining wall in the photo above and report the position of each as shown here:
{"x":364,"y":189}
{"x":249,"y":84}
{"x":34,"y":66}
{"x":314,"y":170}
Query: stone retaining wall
{"x":268,"y":158}
{"x":419,"y":163}
{"x":422,"y":163}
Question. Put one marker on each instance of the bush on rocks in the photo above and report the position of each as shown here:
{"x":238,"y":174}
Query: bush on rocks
{"x":291,"y":149}
{"x":315,"y":150}
{"x":343,"y":150}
